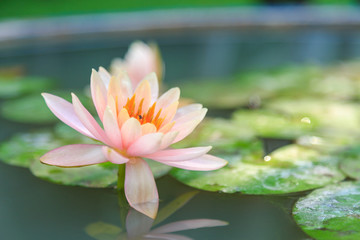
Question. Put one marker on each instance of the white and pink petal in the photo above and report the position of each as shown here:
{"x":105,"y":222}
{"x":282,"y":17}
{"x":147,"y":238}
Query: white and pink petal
{"x":140,"y":187}
{"x":183,"y":154}
{"x":75,"y":155}
{"x":64,"y":110}
{"x":203,"y":163}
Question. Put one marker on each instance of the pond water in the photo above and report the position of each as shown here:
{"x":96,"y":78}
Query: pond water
{"x":32,"y":208}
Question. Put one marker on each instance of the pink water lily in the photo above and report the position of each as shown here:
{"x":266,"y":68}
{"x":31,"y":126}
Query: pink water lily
{"x":137,"y":124}
{"x":140,"y":60}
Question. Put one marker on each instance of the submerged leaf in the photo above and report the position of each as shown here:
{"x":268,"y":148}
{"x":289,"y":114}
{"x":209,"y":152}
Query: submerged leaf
{"x":173,"y":206}
{"x":330,"y":213}
{"x":288,"y":169}
{"x":103,"y":231}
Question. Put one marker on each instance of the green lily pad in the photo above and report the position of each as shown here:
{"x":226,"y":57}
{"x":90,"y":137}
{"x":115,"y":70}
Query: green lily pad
{"x":288,"y":169}
{"x":220,"y":133}
{"x":350,"y":162}
{"x":340,"y":116}
{"x":95,"y":176}
{"x":274,"y":125}
{"x":330,"y":213}
{"x":25,"y":149}
{"x":228,"y":95}
{"x":15,"y":87}
{"x":33,"y":109}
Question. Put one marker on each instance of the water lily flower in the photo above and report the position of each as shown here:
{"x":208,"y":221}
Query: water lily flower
{"x":137,"y":124}
{"x":140,"y":60}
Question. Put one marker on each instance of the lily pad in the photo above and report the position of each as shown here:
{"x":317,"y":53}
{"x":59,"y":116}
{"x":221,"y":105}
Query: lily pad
{"x":350,"y":162}
{"x":288,"y":169}
{"x":220,"y":133}
{"x":339,"y":116}
{"x":32,"y":109}
{"x":229,"y":94}
{"x":14,"y":87}
{"x":330,"y":213}
{"x":274,"y":125}
{"x":95,"y":176}
{"x":25,"y":149}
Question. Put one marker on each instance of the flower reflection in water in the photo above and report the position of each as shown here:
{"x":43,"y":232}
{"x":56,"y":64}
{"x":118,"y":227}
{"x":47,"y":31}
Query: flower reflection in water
{"x":138,"y":226}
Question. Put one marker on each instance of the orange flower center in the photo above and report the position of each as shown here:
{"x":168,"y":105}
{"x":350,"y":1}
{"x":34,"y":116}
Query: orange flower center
{"x":144,"y":117}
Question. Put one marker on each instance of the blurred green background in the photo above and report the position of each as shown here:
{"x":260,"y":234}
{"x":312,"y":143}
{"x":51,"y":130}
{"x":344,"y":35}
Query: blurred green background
{"x":43,"y":8}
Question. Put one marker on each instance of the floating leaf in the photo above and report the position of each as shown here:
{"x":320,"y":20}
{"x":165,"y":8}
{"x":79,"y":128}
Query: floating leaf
{"x":220,"y":133}
{"x":271,"y":124}
{"x":33,"y":109}
{"x":229,"y":95}
{"x":288,"y":169}
{"x":330,"y":213}
{"x":339,"y":116}
{"x":96,"y":176}
{"x":15,"y":87}
{"x":25,"y":149}
{"x":350,"y":162}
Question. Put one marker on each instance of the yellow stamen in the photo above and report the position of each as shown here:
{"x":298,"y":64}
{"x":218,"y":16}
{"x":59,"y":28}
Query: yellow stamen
{"x":145,"y":117}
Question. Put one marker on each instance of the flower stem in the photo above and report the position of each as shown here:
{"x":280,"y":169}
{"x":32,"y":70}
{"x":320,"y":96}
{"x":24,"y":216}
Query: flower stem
{"x":123,"y":204}
{"x":121,"y":177}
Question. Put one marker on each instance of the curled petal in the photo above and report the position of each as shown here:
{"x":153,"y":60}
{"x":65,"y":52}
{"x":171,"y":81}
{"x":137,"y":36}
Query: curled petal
{"x":140,"y":60}
{"x":130,"y":131}
{"x":112,"y":128}
{"x":143,"y":93}
{"x":185,"y":128}
{"x":168,"y":139}
{"x":187,"y":109}
{"x":120,"y":88}
{"x":148,"y":128}
{"x":98,"y":93}
{"x":113,"y":156}
{"x":146,"y":144}
{"x":140,"y":187}
{"x":88,"y":121}
{"x":105,"y":76}
{"x":75,"y":155}
{"x":170,"y":112}
{"x":203,"y":163}
{"x":194,"y":115}
{"x":168,"y":98}
{"x":179,"y":154}
{"x":189,"y":224}
{"x":154,"y":85}
{"x":123,"y":116}
{"x":64,"y":110}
